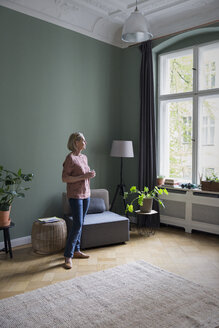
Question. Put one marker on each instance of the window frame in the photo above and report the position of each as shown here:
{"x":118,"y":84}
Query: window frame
{"x":186,"y":120}
{"x":194,"y":94}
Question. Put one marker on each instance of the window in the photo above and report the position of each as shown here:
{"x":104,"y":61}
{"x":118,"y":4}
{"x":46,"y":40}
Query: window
{"x":188,"y":99}
{"x":208,"y":66}
{"x":176,"y":149}
{"x":208,"y":150}
{"x":210,"y":75}
{"x":208,"y":124}
{"x":176,"y":72}
{"x":187,"y":129}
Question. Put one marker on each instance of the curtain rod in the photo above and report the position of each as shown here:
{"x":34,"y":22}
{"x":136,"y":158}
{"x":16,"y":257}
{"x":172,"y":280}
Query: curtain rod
{"x":176,"y":33}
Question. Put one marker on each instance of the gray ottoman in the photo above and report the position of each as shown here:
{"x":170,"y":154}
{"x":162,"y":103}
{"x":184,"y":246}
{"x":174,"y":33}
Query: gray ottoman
{"x":99,"y":229}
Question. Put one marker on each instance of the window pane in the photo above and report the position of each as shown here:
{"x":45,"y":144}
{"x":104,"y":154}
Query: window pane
{"x":209,"y":66}
{"x":176,"y":143}
{"x":176,"y":74}
{"x":209,"y":135}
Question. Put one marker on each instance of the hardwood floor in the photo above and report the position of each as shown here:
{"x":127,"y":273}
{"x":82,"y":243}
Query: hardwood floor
{"x":193,"y":256}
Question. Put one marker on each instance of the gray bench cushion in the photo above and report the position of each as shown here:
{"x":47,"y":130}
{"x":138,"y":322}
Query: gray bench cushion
{"x":104,"y":217}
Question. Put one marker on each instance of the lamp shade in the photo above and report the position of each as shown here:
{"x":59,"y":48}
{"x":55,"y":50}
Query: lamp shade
{"x":122,"y":148}
{"x":135,"y":28}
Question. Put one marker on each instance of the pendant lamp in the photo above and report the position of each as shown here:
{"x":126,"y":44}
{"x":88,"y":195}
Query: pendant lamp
{"x":135,"y":28}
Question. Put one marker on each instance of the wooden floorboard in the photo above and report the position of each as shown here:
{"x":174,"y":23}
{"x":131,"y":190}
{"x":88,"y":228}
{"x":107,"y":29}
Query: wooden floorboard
{"x":193,"y":256}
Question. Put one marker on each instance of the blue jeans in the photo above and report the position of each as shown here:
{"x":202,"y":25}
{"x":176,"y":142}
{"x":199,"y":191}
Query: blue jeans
{"x":79,"y":209}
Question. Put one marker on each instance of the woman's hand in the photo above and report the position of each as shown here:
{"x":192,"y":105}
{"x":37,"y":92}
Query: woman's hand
{"x":90,"y":175}
{"x":73,"y":179}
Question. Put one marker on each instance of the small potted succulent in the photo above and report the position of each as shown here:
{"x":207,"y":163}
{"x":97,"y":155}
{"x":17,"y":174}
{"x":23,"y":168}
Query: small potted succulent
{"x":160,"y":180}
{"x":10,"y":188}
{"x":145,"y":198}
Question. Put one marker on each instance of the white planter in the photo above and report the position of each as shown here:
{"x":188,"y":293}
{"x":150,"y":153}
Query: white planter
{"x":147,"y":205}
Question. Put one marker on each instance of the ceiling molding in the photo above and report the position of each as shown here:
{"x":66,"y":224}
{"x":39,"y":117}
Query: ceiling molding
{"x":103,"y":19}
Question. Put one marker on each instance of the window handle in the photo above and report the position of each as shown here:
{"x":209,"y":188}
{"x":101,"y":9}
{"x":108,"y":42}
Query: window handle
{"x":193,"y":139}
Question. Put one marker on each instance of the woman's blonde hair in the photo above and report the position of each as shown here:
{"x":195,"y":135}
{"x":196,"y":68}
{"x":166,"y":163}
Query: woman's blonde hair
{"x":77,"y":136}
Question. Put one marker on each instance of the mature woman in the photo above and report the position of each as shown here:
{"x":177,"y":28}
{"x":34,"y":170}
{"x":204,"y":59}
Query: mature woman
{"x":76,"y":173}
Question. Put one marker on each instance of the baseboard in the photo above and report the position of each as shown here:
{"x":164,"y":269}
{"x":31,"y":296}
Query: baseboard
{"x":18,"y":242}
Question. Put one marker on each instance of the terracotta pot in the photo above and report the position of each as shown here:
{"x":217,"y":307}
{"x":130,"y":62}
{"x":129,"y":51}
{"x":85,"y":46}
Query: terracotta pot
{"x":147,"y":205}
{"x":5,"y":218}
{"x":160,"y":181}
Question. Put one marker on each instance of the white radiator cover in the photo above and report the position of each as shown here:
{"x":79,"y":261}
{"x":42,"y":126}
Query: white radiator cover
{"x":191,"y":209}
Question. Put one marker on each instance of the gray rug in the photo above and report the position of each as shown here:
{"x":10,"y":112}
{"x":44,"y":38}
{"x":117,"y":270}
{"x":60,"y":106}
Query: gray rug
{"x":128,"y":296}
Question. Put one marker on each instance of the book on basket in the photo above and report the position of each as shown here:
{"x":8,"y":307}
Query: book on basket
{"x":49,"y":220}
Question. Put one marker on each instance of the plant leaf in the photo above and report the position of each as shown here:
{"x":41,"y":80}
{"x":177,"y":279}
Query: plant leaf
{"x":133,"y":189}
{"x":20,"y":195}
{"x":125,"y":194}
{"x":129,"y":208}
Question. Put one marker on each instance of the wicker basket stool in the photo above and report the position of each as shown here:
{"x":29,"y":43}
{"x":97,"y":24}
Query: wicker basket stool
{"x":48,"y":238}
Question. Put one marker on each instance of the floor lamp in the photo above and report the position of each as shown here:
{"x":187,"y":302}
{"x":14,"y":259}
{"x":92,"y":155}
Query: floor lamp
{"x":122,"y":149}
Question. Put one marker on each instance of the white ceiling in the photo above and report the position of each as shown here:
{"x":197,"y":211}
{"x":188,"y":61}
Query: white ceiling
{"x":103,"y":19}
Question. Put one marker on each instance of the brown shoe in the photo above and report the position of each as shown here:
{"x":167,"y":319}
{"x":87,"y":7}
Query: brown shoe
{"x":80,"y":255}
{"x":68,"y":263}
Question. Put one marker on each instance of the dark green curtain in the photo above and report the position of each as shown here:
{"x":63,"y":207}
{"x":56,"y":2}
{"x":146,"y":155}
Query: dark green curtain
{"x":147,"y":156}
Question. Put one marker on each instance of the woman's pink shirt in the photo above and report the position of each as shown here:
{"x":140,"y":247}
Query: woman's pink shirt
{"x":75,"y":166}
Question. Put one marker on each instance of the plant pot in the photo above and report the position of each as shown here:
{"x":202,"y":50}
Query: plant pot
{"x":147,"y":205}
{"x":5,"y":218}
{"x":210,"y":186}
{"x":160,"y":181}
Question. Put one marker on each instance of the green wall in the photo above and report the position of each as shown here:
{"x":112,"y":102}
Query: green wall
{"x":130,"y":110}
{"x":53,"y":82}
{"x":130,"y":118}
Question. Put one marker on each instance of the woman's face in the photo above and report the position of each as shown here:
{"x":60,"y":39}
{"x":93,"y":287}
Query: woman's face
{"x":81,"y":144}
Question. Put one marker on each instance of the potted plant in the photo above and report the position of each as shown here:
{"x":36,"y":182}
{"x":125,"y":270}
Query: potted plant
{"x":145,"y":198}
{"x":10,"y":188}
{"x":160,"y":180}
{"x":211,"y":183}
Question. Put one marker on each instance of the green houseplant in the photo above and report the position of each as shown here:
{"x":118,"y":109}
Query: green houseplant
{"x":144,"y":197}
{"x":211,"y":183}
{"x":10,"y":188}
